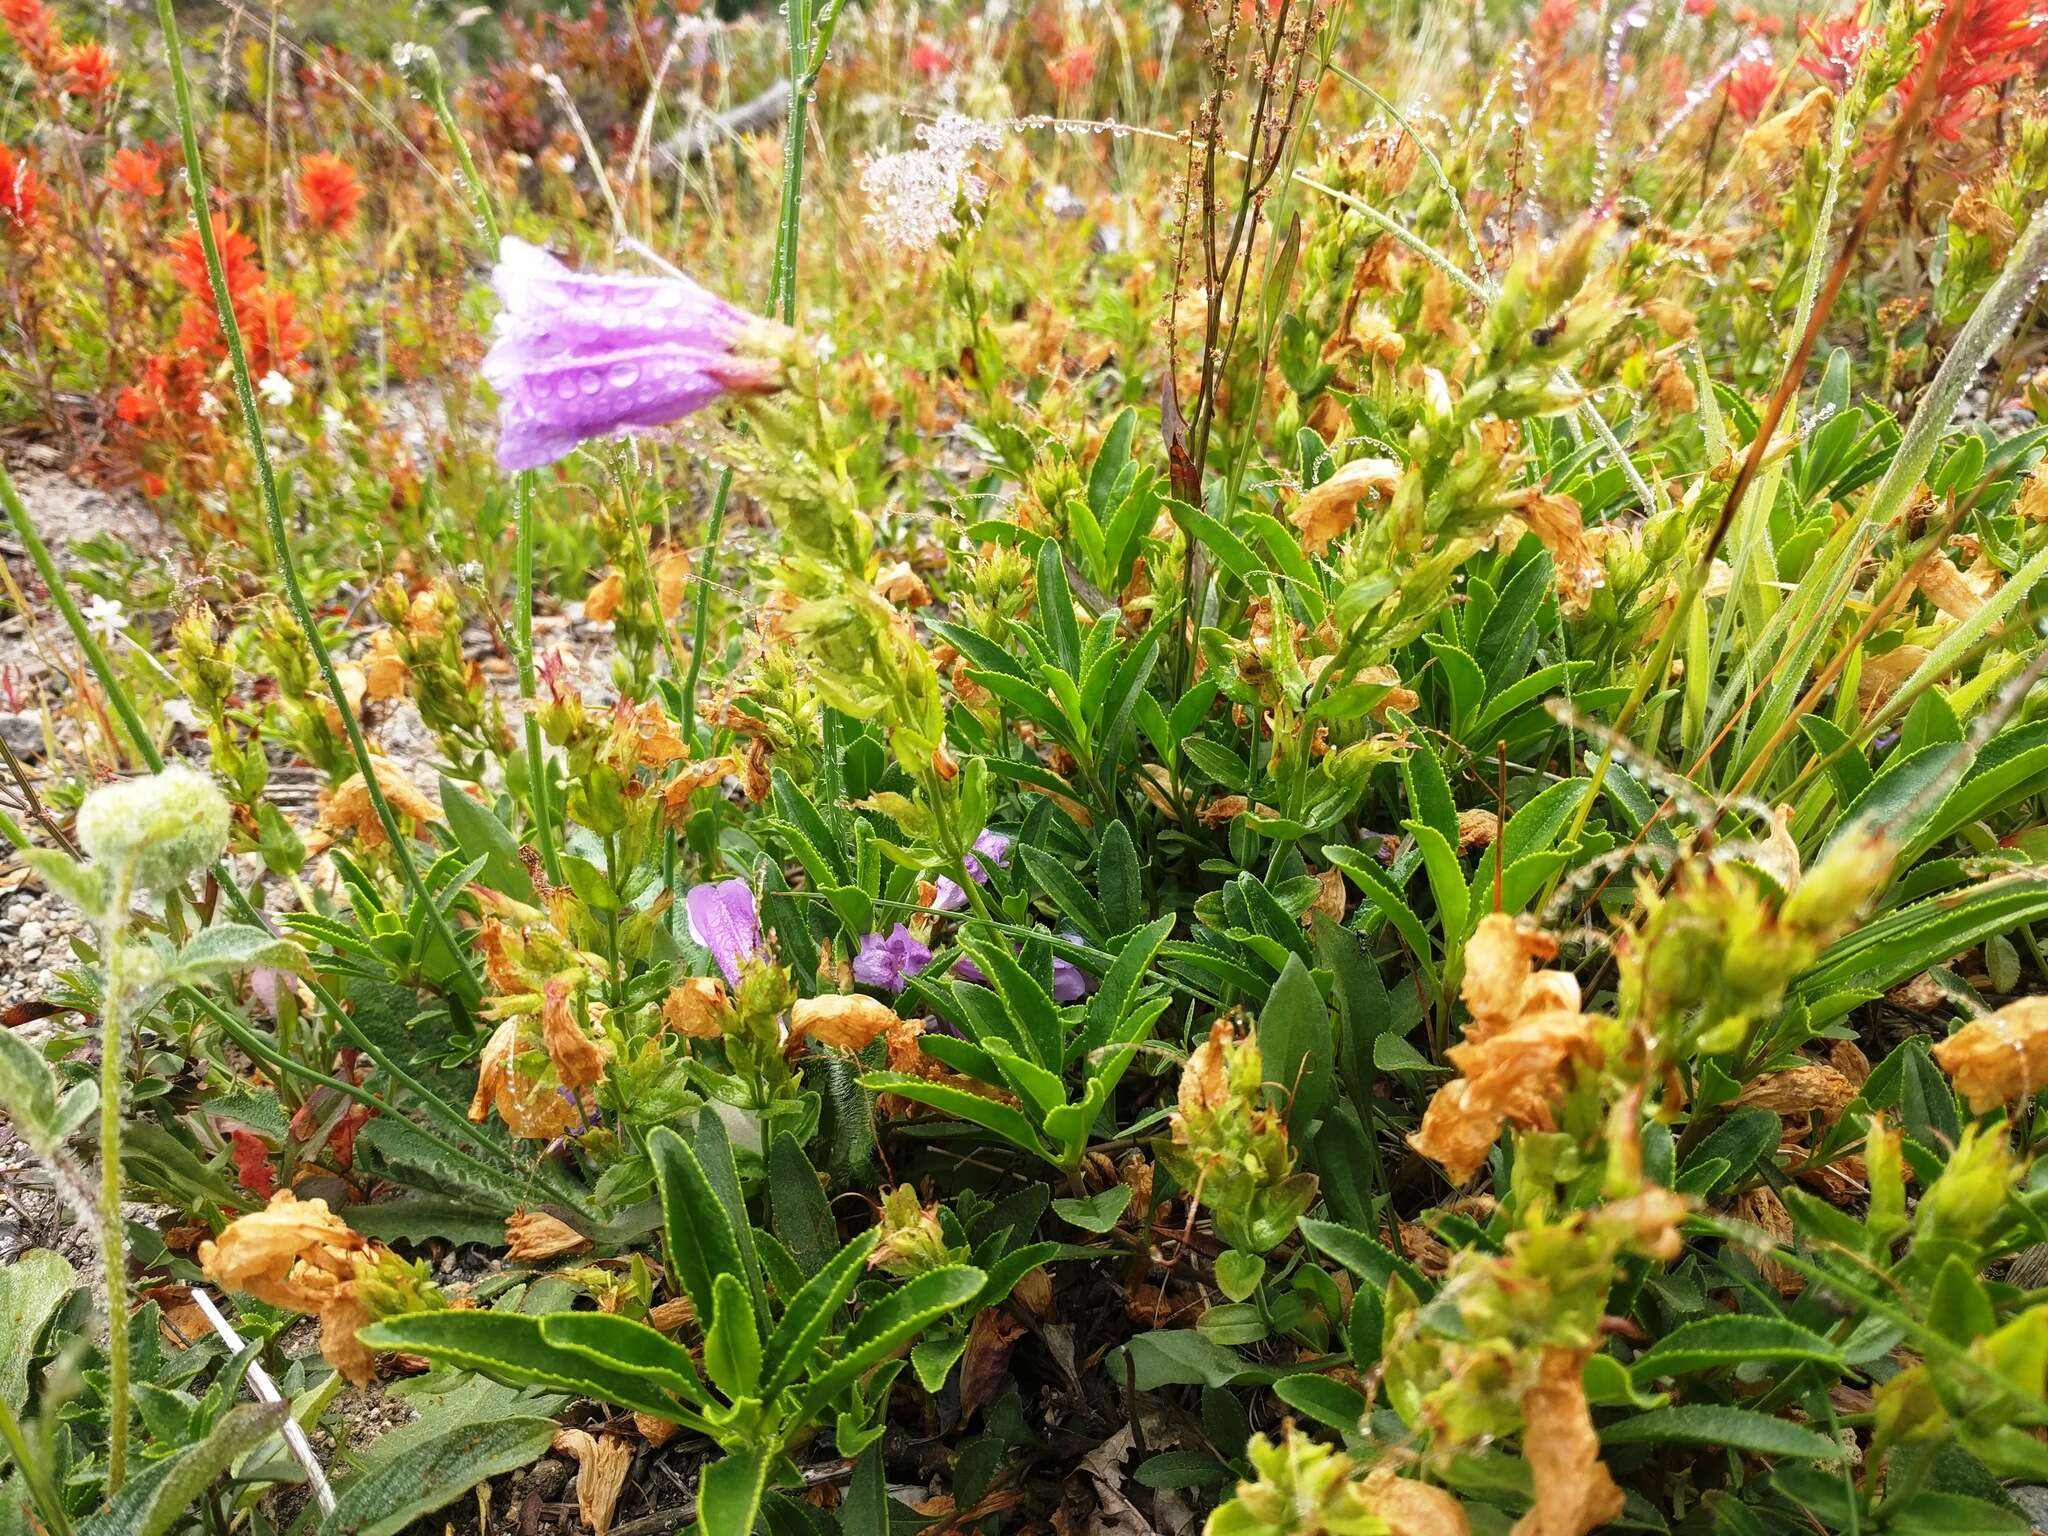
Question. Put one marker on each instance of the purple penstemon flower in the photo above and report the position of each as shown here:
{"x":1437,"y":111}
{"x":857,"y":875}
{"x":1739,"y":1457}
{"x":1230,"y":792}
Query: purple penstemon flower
{"x":582,"y":354}
{"x":724,"y":920}
{"x":993,"y":846}
{"x":889,"y":962}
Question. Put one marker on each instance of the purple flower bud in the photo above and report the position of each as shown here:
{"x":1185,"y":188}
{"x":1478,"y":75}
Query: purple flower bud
{"x":993,"y":846}
{"x":890,"y":962}
{"x":724,"y":920}
{"x":580,"y":355}
{"x":1069,"y":982}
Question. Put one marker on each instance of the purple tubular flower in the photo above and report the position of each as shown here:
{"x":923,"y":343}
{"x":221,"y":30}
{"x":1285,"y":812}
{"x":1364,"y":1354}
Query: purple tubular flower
{"x":890,"y":962}
{"x":993,"y":846}
{"x":580,"y":355}
{"x":724,"y":920}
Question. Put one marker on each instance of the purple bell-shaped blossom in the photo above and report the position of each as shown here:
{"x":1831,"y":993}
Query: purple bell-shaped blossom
{"x":725,"y":921}
{"x":579,"y":355}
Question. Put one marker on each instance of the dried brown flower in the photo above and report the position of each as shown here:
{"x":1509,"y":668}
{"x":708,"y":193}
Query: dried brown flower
{"x":696,"y":1007}
{"x":601,"y":1464}
{"x":2000,"y":1059}
{"x":1414,"y":1509}
{"x":535,"y":1235}
{"x":1327,"y":511}
{"x":848,"y":1020}
{"x":1574,"y":1490}
{"x":1804,"y":1090}
{"x":348,"y":808}
{"x":298,"y":1255}
{"x":601,"y":603}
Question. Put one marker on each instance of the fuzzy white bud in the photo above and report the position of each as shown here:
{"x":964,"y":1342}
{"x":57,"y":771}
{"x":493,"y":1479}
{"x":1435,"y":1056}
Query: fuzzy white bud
{"x":165,"y":828}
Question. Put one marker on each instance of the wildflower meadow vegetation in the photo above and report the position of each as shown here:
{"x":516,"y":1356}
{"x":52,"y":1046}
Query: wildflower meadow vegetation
{"x":1076,"y":766}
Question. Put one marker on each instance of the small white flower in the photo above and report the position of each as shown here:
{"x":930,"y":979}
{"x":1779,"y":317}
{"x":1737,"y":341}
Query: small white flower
{"x":1061,"y":203}
{"x":106,"y":617}
{"x":915,"y":197}
{"x":334,"y":424}
{"x":566,"y":164}
{"x":275,"y":389}
{"x":209,"y":405}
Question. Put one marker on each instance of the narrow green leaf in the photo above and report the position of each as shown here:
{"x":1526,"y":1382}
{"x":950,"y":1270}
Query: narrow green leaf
{"x":697,"y":1234}
{"x":729,"y":1490}
{"x":1713,"y":1342}
{"x":732,"y":1344}
{"x":1735,"y":1429}
{"x":811,"y":1312}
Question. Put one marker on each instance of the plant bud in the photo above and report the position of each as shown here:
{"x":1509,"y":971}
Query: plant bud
{"x":164,"y":828}
{"x":1970,"y":1192}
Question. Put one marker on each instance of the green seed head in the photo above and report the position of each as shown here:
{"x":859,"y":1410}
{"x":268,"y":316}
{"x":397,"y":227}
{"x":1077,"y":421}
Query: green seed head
{"x":165,"y":828}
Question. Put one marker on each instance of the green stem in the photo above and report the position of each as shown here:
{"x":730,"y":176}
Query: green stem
{"x":273,"y":511}
{"x":113,"y":1236}
{"x":700,"y":623}
{"x":805,"y":46}
{"x":479,"y":197}
{"x":522,"y":507}
{"x":529,"y":680}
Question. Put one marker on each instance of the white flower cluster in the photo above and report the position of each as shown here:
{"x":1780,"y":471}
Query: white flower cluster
{"x":915,"y":197}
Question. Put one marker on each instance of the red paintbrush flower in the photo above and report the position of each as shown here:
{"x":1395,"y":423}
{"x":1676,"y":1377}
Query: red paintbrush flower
{"x":237,"y":259}
{"x":89,"y":71}
{"x":34,"y":31}
{"x":1750,"y":86}
{"x":328,"y":193}
{"x":1072,"y":69}
{"x":136,"y":173}
{"x":1998,"y":39}
{"x":1840,"y":41}
{"x":252,"y":1163}
{"x":269,"y":333}
{"x":930,"y":60}
{"x":21,"y":193}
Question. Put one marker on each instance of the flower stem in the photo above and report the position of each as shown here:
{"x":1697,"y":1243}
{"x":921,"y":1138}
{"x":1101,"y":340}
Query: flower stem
{"x":113,"y":1237}
{"x":522,"y":508}
{"x":287,"y":567}
{"x":805,"y":44}
{"x":700,"y":622}
{"x":529,"y":682}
